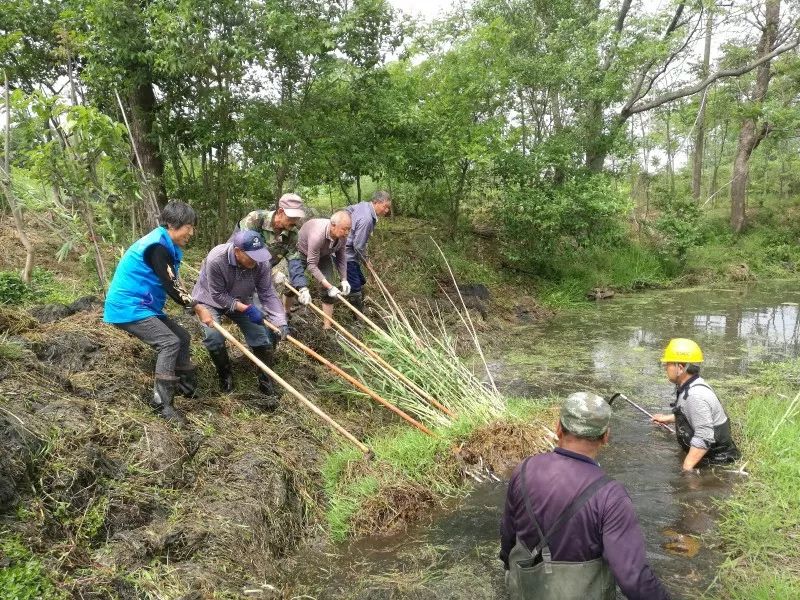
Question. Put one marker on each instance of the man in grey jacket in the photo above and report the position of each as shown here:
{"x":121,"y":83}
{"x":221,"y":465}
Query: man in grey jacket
{"x":229,"y":276}
{"x":364,"y":216}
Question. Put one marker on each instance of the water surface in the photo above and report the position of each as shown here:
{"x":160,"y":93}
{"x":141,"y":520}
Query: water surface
{"x":614,"y":345}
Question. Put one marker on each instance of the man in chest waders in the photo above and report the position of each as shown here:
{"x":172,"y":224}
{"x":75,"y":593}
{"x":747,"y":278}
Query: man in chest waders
{"x":701,"y":425}
{"x":568,"y":531}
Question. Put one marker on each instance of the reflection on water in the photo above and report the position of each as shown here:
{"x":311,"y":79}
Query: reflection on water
{"x":613,"y":346}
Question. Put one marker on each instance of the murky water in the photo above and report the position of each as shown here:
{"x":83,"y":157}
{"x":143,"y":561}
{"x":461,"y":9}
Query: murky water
{"x":612,"y":346}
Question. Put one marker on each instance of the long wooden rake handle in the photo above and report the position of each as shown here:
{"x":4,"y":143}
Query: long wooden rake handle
{"x":288,"y":387}
{"x":351,"y":380}
{"x":372,"y":354}
{"x":362,"y":316}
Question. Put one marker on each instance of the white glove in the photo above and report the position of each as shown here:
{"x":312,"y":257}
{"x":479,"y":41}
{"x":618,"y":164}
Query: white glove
{"x":333,"y":291}
{"x":346,"y":287}
{"x":278,"y":278}
{"x":304,"y":297}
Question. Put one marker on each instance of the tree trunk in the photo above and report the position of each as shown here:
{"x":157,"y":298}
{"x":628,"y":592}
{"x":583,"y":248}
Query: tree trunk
{"x":752,"y":133}
{"x":670,"y":157}
{"x":358,"y":187}
{"x":712,"y":188}
{"x":5,"y":182}
{"x":142,"y":101}
{"x":700,"y":137}
{"x":280,"y":178}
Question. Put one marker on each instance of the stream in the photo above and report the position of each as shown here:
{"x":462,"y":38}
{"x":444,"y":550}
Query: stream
{"x":614,"y":345}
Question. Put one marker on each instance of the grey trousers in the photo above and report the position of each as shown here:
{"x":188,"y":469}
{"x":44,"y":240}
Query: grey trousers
{"x":170,"y":341}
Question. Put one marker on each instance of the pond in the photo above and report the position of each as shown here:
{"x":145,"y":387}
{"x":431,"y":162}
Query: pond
{"x":613,"y":346}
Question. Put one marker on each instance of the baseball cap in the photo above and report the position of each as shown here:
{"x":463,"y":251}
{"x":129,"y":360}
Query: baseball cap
{"x":252,"y":244}
{"x":292,"y":205}
{"x":585,"y":414}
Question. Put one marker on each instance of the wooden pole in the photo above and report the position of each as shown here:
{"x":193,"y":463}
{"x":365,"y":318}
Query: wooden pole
{"x":283,"y":383}
{"x":362,"y":316}
{"x":405,"y":380}
{"x":351,"y":380}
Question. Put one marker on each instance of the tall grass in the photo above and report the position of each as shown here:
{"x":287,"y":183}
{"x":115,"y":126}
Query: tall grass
{"x":760,"y":523}
{"x":419,"y":345}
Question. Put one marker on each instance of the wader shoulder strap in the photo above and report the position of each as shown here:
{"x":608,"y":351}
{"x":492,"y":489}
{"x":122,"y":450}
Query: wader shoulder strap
{"x":577,"y":503}
{"x":527,"y":499}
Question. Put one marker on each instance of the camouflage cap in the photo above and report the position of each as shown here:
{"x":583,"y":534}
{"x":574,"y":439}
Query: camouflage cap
{"x":585,"y":414}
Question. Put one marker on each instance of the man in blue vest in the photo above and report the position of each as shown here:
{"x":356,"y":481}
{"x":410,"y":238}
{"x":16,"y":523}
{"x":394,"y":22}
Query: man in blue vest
{"x":145,"y":276}
{"x":568,"y":531}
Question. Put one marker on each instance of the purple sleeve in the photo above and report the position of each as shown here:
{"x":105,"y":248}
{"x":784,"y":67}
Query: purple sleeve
{"x":624,"y":549}
{"x":217,"y":287}
{"x":270,"y":302}
{"x":362,"y":228}
{"x":508,"y":530}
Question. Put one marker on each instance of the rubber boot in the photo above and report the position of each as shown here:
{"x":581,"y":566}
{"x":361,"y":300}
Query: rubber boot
{"x":222,"y":362}
{"x":265,"y":385}
{"x":163,"y":395}
{"x":357,"y":300}
{"x":187,"y":382}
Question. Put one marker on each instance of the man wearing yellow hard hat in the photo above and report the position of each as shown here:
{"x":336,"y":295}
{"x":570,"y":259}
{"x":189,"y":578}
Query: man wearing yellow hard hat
{"x":701,"y":424}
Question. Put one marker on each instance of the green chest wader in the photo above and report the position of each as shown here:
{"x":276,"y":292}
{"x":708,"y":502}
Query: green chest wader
{"x":534,"y":575}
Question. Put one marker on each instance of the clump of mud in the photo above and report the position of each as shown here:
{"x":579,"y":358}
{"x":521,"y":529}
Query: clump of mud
{"x":393,"y":509}
{"x":500,"y":446}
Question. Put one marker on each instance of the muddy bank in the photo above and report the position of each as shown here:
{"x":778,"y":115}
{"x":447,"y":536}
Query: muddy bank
{"x":106,"y":493}
{"x":116,"y":503}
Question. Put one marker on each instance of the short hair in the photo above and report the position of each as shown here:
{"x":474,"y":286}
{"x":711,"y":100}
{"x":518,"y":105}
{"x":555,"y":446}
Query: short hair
{"x":176,"y":214}
{"x":593,"y":438}
{"x":336,"y":218}
{"x":692,"y":368}
{"x":381,"y":196}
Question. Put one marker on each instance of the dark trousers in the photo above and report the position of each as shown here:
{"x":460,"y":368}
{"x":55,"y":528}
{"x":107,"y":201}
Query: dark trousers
{"x":254,"y":334}
{"x":170,"y":341}
{"x":355,"y":277}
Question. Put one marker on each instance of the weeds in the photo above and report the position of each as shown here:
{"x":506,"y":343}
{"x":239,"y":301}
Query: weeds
{"x":760,"y":524}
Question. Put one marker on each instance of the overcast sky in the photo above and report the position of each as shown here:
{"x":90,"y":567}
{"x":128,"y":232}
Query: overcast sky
{"x":421,"y":8}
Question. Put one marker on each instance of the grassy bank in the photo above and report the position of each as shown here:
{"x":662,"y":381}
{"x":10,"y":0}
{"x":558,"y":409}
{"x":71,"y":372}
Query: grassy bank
{"x":413,"y":471}
{"x":760,"y":523}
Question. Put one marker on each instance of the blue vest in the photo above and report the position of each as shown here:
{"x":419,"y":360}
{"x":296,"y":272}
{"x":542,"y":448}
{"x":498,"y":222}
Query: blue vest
{"x":136,"y":292}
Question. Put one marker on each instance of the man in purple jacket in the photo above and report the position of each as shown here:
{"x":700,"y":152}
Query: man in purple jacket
{"x":602,"y":534}
{"x":229,"y":276}
{"x":365,"y":217}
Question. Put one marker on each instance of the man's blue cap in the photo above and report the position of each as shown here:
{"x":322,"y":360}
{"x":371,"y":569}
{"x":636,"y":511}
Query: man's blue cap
{"x":252,"y":244}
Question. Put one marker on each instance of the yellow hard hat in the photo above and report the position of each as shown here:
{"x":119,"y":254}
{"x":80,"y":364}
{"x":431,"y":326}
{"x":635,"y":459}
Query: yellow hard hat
{"x":682,"y":350}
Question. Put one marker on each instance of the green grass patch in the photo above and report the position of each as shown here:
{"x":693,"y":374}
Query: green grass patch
{"x":404,"y":457}
{"x":45,"y":288}
{"x":566,"y":279}
{"x":23,"y":577}
{"x":760,"y":523}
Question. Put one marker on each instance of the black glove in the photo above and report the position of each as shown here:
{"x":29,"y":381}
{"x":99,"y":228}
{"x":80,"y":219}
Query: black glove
{"x":284,"y":332}
{"x":255,"y":315}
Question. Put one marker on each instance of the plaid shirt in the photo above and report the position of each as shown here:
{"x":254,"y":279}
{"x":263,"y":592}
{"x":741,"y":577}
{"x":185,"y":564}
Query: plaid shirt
{"x":280,"y":245}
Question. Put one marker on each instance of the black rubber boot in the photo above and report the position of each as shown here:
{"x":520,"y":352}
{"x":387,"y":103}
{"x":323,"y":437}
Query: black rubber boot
{"x":265,"y":385}
{"x":357,"y":300}
{"x":187,"y":382}
{"x":222,"y":362}
{"x":163,"y":395}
